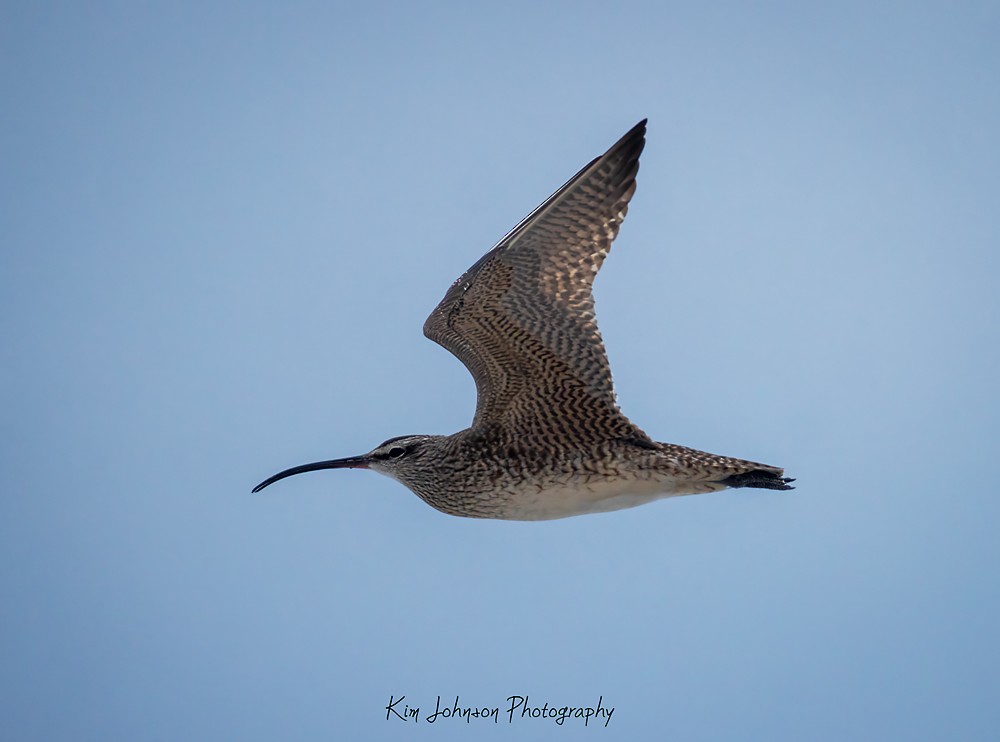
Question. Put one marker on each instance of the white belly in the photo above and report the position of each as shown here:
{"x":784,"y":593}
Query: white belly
{"x":600,"y":496}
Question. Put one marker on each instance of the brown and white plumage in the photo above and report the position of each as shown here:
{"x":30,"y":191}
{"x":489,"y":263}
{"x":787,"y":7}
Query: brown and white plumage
{"x":547,"y":440}
{"x":522,"y":318}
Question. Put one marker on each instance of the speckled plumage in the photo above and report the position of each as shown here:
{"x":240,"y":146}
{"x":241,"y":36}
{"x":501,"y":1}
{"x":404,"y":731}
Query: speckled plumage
{"x":548,"y":439}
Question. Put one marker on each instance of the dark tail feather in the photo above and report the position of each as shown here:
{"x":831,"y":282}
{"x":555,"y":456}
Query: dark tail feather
{"x":759,"y":478}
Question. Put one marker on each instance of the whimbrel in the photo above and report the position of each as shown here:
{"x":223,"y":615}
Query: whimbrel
{"x":548,"y":440}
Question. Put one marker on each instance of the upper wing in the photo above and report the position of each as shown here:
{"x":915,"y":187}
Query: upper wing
{"x":522,"y":318}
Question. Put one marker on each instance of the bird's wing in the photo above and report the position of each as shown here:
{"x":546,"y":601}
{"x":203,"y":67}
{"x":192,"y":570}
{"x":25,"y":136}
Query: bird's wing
{"x":522,"y":318}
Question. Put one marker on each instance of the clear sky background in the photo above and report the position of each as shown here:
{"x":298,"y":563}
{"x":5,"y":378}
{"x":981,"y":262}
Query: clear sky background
{"x":222,"y":226}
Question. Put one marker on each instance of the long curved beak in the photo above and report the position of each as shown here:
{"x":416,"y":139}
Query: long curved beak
{"x":351,"y":462}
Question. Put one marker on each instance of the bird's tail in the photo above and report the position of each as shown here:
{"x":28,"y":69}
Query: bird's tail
{"x":769,"y":479}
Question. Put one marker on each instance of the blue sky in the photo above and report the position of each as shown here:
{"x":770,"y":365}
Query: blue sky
{"x":222,"y":227}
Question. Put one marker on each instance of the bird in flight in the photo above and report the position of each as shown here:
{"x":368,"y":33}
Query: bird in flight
{"x":548,"y":439}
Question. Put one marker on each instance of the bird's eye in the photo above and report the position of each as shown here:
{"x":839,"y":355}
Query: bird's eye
{"x":396,"y":452}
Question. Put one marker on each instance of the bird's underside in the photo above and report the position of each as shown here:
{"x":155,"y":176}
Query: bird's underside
{"x":548,"y":439}
{"x":513,"y":480}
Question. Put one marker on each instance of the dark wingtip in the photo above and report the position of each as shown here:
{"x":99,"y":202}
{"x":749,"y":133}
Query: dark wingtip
{"x":636,"y":134}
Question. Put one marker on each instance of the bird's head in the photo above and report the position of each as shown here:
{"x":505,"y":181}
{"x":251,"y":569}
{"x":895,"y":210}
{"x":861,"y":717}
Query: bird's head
{"x":399,"y":458}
